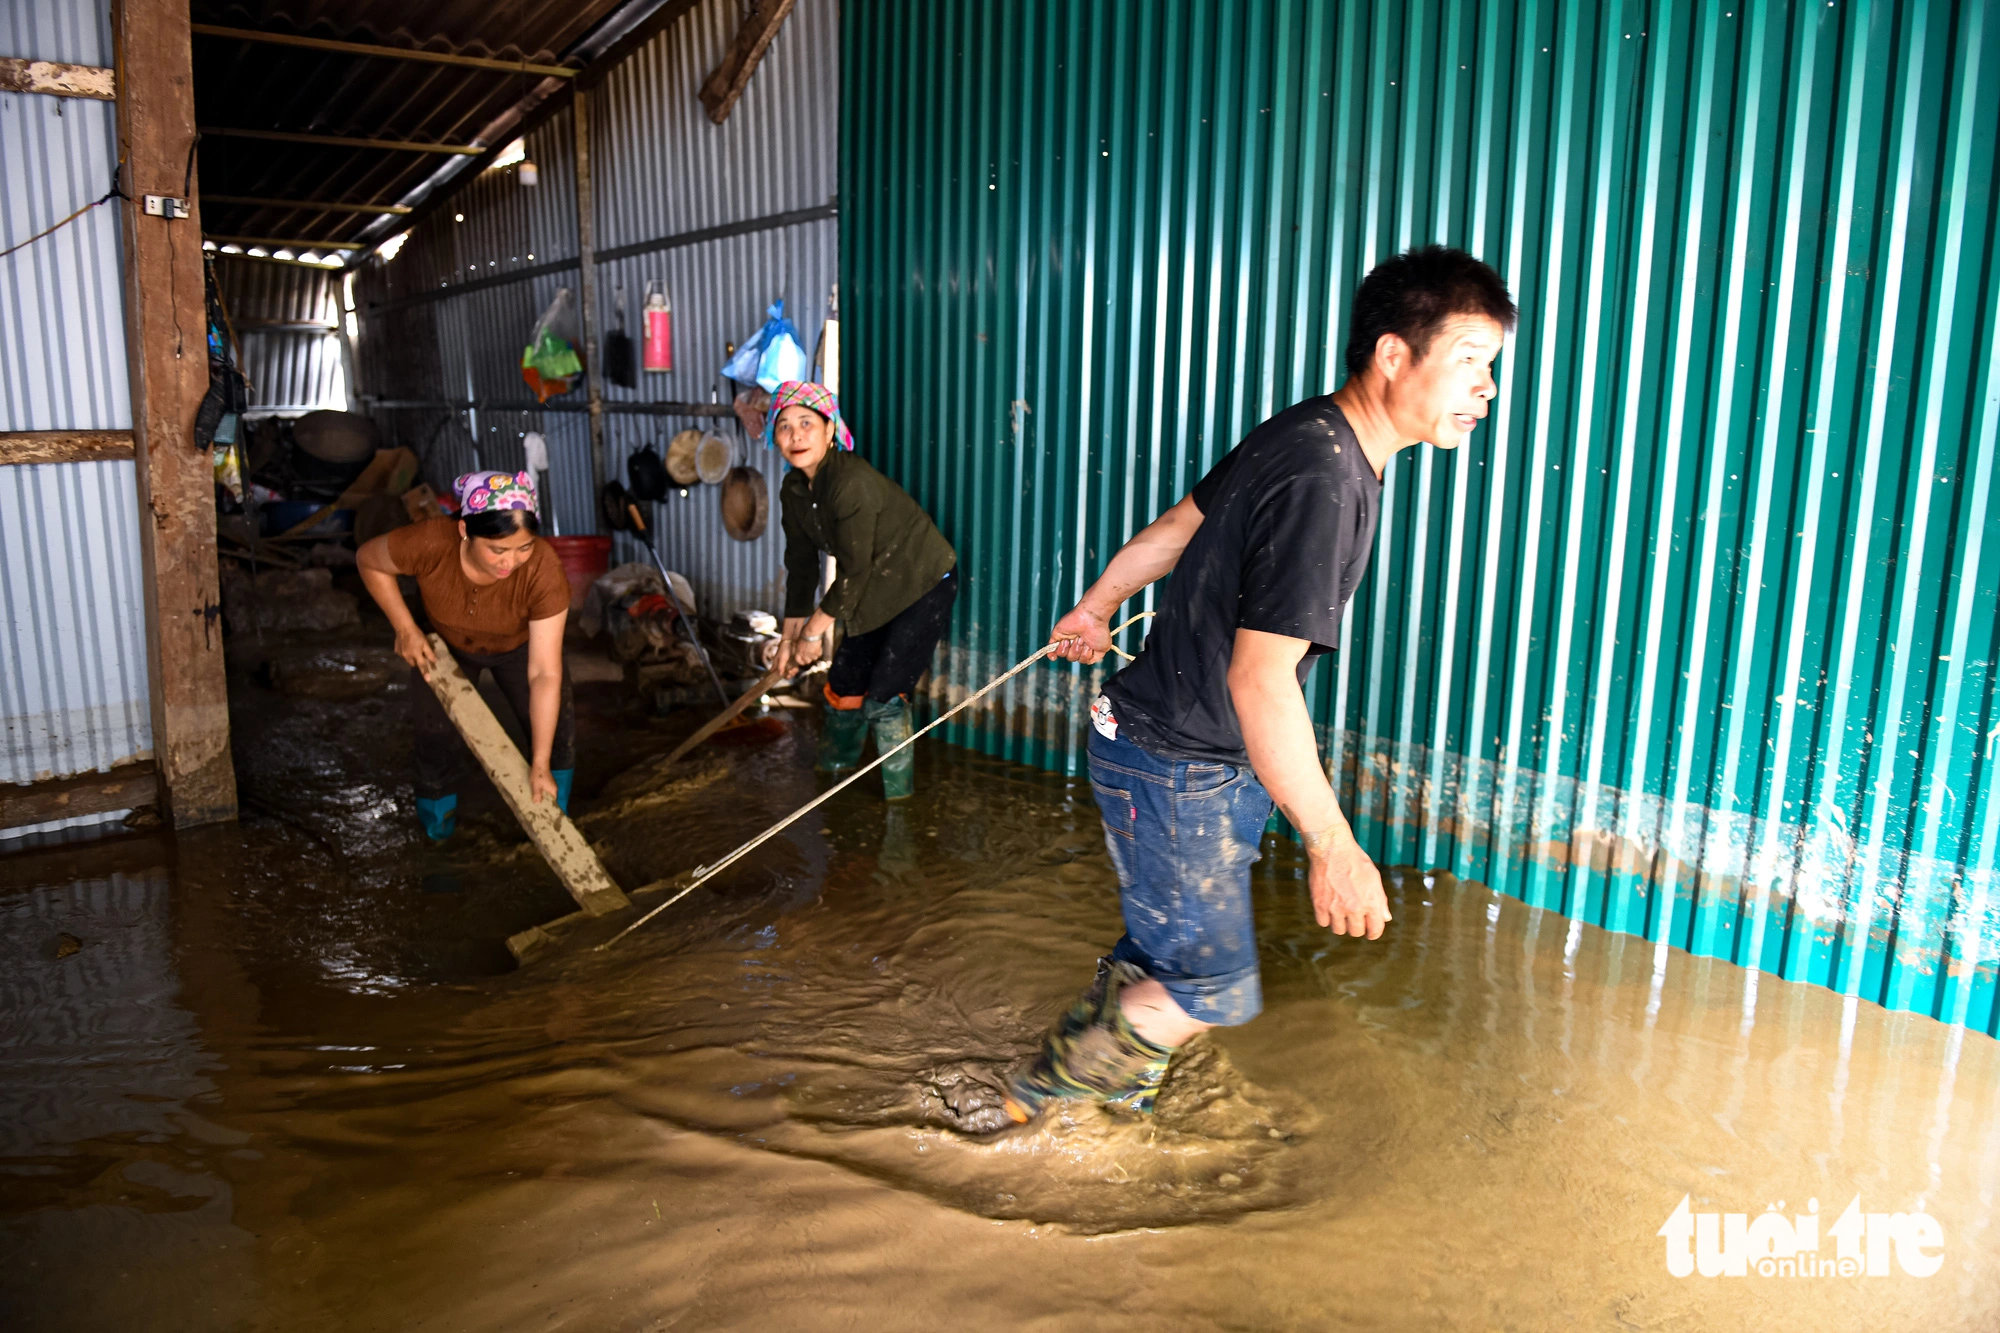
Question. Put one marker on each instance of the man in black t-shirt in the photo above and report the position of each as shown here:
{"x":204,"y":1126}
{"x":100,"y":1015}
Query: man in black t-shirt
{"x":1191,"y":743}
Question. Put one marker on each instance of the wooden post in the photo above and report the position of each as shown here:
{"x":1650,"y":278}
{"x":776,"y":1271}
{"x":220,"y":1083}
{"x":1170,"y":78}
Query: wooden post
{"x":586,"y":248}
{"x":546,"y":825}
{"x":167,"y":346}
{"x":721,"y":89}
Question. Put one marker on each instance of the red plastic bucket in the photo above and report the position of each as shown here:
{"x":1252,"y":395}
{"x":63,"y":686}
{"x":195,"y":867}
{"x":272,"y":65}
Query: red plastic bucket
{"x":583,"y":559}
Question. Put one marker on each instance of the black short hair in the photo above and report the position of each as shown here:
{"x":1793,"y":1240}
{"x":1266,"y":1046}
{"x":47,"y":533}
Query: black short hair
{"x":493,"y":524}
{"x":1412,"y":295}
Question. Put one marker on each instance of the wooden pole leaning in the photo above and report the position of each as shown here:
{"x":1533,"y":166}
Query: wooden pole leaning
{"x":722,"y":719}
{"x":559,"y":841}
{"x":727,"y":715}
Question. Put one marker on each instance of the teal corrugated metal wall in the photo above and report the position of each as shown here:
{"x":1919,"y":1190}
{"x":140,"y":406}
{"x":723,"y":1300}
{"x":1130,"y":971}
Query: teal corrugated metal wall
{"x":1696,"y":640}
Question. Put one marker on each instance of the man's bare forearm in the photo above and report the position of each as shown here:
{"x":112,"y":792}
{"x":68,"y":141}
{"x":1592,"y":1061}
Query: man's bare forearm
{"x":1278,"y":734}
{"x":1150,"y":555}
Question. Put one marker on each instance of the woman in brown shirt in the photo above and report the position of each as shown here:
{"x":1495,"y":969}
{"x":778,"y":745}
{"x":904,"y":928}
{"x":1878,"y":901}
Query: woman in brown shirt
{"x":497,"y":596}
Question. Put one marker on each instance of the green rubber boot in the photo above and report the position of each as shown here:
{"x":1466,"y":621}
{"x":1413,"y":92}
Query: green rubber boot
{"x":1092,"y":1052}
{"x":892,"y":727}
{"x":841,"y":734}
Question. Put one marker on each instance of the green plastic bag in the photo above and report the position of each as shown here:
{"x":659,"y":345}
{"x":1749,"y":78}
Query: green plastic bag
{"x":549,"y":363}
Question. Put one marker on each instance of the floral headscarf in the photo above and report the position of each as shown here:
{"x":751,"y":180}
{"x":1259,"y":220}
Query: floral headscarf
{"x":805,"y":393}
{"x":481,"y":491}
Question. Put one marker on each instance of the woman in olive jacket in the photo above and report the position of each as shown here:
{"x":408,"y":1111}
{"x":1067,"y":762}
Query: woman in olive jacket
{"x":892,"y":591}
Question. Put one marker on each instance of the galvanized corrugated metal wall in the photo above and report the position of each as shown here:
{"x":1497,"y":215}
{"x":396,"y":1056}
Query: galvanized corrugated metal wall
{"x":1696,"y":639}
{"x":659,"y":169}
{"x":73,"y":694}
{"x":286,"y":317}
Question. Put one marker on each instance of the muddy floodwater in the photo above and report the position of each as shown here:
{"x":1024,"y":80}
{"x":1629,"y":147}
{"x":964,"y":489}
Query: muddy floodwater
{"x":281,"y":1076}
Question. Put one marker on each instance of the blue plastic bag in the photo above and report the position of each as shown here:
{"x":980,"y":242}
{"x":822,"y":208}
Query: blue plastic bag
{"x":773,"y":356}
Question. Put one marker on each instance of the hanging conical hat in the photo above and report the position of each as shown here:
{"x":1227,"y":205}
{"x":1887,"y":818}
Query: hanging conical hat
{"x":680,"y":457}
{"x":711,"y":458}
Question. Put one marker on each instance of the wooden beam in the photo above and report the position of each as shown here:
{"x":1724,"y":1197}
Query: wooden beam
{"x":270,"y":259}
{"x":341,"y":141}
{"x":57,"y":79}
{"x":63,"y":446}
{"x":125,"y":788}
{"x":167,"y":342}
{"x":721,"y":89}
{"x":287,"y":242}
{"x":384,"y":52}
{"x":547,"y":826}
{"x":312,"y":205}
{"x":586,"y":242}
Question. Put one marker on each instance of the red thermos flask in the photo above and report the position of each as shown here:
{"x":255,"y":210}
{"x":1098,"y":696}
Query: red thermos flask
{"x":659,"y":354}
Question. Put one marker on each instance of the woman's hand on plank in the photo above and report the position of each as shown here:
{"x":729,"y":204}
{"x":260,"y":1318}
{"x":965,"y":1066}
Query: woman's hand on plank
{"x":414,"y":647}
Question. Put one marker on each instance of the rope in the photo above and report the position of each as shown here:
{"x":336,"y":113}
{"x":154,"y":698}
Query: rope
{"x":703,"y":874}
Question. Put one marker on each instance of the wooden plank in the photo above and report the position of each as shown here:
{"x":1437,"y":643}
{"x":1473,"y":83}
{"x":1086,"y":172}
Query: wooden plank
{"x":530,"y":943}
{"x":63,"y":446}
{"x":56,"y":79}
{"x":167,"y":340}
{"x":558,"y":840}
{"x":526,"y":944}
{"x":286,"y":243}
{"x":340,"y":141}
{"x":125,"y":788}
{"x":386,"y":52}
{"x":721,"y":89}
{"x":307,"y":205}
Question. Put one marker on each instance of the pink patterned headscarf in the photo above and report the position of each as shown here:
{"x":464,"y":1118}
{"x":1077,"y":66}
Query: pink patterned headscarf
{"x":805,"y":393}
{"x":481,"y":491}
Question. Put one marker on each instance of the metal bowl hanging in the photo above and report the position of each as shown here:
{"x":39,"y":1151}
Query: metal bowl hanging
{"x":746,"y":503}
{"x":711,"y":459}
{"x":680,"y":457}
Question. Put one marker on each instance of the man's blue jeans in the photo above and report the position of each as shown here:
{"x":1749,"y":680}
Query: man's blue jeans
{"x":1183,"y":836}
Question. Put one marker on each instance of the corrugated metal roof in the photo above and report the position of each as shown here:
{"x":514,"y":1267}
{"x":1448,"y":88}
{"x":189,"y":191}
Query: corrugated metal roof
{"x":253,"y":85}
{"x":1696,"y":639}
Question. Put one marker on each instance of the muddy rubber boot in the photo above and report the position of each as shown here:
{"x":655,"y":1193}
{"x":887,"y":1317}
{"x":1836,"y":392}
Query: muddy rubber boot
{"x":564,"y":778}
{"x":440,"y":816}
{"x":1092,"y":1052}
{"x":892,"y":727}
{"x":842,"y":732}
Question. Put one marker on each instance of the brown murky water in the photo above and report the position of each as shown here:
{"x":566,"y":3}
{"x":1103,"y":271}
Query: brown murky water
{"x":286,"y":1083}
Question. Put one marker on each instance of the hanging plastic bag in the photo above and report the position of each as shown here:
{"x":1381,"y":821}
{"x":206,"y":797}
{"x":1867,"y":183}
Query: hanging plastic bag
{"x":773,"y":356}
{"x":550,"y":362}
{"x":742,"y":363}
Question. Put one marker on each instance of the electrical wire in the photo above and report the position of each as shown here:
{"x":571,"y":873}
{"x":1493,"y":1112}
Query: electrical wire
{"x":113,"y":193}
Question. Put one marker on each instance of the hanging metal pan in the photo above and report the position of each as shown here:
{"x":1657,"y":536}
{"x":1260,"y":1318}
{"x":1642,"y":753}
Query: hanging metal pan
{"x":711,"y":459}
{"x":746,"y":504}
